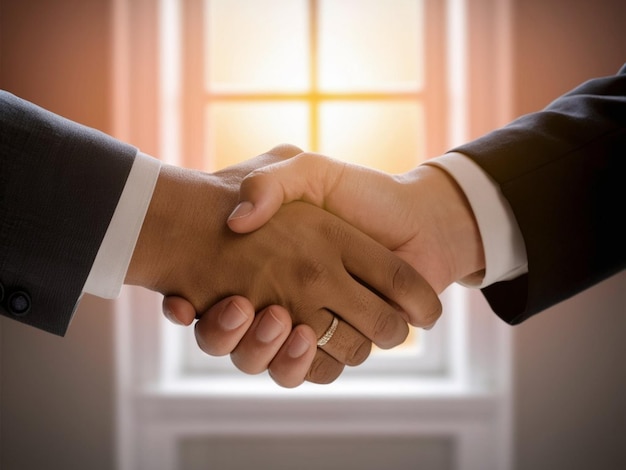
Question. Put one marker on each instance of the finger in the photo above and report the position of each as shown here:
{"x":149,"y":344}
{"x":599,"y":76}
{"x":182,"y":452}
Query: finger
{"x":367,"y":313}
{"x":324,"y":368}
{"x":307,"y":177}
{"x":221,"y":328}
{"x":394,"y":279}
{"x":263,"y":340}
{"x":290,"y":366}
{"x":274,"y":155}
{"x":178,"y":310}
{"x":327,"y":284}
{"x":344,"y":343}
{"x":260,"y":195}
{"x":282,"y":152}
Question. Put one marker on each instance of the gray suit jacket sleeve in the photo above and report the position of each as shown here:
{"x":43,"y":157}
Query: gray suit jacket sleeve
{"x":59,"y":186}
{"x":562,"y":171}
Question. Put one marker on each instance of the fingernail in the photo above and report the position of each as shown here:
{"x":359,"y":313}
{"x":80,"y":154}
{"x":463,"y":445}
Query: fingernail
{"x":269,"y":328}
{"x":171,"y":317}
{"x":298,"y":346}
{"x":232,"y":317}
{"x":242,"y":210}
{"x":429,"y":327}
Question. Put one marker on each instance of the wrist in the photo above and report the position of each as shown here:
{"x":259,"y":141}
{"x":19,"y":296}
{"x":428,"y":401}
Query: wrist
{"x":449,"y":238}
{"x":185,"y":204}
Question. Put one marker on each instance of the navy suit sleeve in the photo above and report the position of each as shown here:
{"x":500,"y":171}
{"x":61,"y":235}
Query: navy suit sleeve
{"x":59,"y":186}
{"x":562,"y":170}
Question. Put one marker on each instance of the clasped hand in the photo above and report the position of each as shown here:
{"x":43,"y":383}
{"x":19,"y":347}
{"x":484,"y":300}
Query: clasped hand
{"x":268,"y":297}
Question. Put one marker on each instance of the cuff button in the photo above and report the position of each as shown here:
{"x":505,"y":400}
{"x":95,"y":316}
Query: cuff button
{"x":19,"y":303}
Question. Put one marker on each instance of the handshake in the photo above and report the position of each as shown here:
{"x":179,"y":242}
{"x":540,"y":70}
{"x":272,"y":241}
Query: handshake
{"x":296,"y":263}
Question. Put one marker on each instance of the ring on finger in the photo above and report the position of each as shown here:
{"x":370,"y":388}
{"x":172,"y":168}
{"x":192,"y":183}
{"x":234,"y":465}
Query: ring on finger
{"x":329,"y":333}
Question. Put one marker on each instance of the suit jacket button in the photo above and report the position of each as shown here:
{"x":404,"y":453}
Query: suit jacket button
{"x":19,"y":303}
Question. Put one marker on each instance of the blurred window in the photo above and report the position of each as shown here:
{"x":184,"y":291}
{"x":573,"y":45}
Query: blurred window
{"x":346,"y":78}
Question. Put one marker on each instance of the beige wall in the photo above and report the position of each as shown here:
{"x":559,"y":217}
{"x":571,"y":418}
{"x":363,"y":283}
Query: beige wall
{"x":56,"y":394}
{"x":570,"y":379}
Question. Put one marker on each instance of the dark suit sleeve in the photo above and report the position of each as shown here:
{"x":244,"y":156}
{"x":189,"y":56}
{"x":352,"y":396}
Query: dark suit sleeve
{"x":562,"y":170}
{"x":59,"y":186}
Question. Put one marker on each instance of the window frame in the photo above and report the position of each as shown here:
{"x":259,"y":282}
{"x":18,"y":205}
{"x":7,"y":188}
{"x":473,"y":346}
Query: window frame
{"x":433,"y":94}
{"x":434,"y":357}
{"x":474,"y":408}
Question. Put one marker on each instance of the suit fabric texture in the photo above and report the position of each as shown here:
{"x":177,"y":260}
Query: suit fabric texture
{"x":59,"y":186}
{"x":562,"y":171}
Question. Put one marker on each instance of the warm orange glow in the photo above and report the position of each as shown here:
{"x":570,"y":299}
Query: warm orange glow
{"x":266,"y":88}
{"x":241,"y":130}
{"x":257,"y":46}
{"x":382,"y":135}
{"x":345,"y":83}
{"x":370,"y":45}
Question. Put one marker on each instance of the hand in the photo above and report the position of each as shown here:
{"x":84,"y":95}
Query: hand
{"x":421,"y":215}
{"x":304,"y":259}
{"x":255,"y":343}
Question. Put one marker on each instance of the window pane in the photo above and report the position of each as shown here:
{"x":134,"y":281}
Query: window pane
{"x":260,"y":45}
{"x":383,"y":135}
{"x":238,"y":131}
{"x":370,"y":44}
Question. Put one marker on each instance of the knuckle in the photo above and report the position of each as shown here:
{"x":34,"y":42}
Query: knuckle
{"x":256,"y":177}
{"x":410,"y":289}
{"x":306,"y":158}
{"x":389,"y":330}
{"x":359,"y":353}
{"x":402,"y":279}
{"x":324,"y":370}
{"x":427,"y":313}
{"x":432,"y":314}
{"x":322,"y":176}
{"x":330,"y":228}
{"x":333,"y":230}
{"x":285,"y":151}
{"x":312,"y":272}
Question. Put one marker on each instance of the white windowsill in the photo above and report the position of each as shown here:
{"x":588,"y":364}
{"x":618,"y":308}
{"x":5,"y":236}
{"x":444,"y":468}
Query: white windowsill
{"x":380,"y":387}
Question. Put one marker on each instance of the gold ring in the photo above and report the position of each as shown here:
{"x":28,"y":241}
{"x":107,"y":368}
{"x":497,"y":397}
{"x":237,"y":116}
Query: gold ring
{"x":329,"y":333}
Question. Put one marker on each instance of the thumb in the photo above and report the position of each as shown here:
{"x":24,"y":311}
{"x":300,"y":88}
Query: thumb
{"x":178,"y":310}
{"x":308,"y":177}
{"x":261,"y":195}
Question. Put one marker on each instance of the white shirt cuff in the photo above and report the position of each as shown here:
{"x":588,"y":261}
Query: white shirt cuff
{"x":503,"y":244}
{"x":109,"y":268}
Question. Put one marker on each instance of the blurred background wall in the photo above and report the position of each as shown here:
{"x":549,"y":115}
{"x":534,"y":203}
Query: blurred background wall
{"x":569,"y":375}
{"x":56,"y":395}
